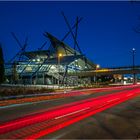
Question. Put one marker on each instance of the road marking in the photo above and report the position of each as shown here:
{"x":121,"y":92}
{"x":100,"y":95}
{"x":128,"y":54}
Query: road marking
{"x":113,"y":100}
{"x":130,"y":94}
{"x":61,"y":135}
{"x":71,"y":113}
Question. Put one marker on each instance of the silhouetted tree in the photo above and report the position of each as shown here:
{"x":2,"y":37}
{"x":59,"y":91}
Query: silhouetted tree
{"x":2,"y":76}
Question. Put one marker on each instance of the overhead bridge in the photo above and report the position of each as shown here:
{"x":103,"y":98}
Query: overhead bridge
{"x":108,"y":71}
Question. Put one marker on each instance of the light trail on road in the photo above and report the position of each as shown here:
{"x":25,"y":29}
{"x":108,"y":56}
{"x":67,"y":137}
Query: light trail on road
{"x":56,"y":95}
{"x":38,"y":125}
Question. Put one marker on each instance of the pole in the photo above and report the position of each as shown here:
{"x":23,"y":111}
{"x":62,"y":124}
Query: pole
{"x":96,"y":77}
{"x":134,"y":75}
{"x":58,"y":69}
{"x":97,"y":67}
{"x":59,"y":56}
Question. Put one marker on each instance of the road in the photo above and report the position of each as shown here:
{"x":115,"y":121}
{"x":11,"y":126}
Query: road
{"x":43,"y":122}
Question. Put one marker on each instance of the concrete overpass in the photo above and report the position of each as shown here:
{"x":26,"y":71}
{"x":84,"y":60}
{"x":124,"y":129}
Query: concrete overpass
{"x":108,"y":71}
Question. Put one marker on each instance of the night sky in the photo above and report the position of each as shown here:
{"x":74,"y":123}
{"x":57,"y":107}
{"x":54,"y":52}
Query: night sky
{"x":105,"y":35}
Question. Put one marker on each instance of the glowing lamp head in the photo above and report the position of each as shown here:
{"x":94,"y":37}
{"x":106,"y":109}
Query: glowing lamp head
{"x":38,"y":60}
{"x":133,"y":49}
{"x":97,"y":66}
{"x":60,"y":55}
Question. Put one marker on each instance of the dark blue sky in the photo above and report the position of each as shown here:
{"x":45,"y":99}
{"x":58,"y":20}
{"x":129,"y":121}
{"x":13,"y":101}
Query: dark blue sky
{"x":105,"y":34}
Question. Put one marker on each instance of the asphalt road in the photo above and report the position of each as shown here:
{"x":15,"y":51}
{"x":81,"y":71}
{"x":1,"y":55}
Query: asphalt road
{"x":37,"y":121}
{"x":20,"y":110}
{"x":119,"y":122}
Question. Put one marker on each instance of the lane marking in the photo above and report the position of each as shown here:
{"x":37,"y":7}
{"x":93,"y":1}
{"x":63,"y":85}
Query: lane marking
{"x":71,"y":113}
{"x":59,"y":136}
{"x":113,"y":100}
{"x":130,"y":94}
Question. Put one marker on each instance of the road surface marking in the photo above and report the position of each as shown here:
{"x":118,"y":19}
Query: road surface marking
{"x":113,"y":100}
{"x":61,"y":135}
{"x":71,"y":113}
{"x":130,"y":94}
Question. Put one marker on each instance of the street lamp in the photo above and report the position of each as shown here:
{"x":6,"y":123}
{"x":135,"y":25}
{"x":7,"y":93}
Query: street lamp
{"x":59,"y":56}
{"x":97,"y":67}
{"x":134,"y":75}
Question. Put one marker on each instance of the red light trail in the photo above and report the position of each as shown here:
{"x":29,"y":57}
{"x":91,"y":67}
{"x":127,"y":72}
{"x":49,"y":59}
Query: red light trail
{"x":62,"y":116}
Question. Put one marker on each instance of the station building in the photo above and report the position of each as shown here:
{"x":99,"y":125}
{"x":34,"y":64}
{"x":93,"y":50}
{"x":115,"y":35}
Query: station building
{"x":51,"y":66}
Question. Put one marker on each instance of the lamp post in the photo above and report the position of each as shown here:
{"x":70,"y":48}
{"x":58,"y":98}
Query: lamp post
{"x":134,"y":75}
{"x":97,"y":67}
{"x":59,"y":56}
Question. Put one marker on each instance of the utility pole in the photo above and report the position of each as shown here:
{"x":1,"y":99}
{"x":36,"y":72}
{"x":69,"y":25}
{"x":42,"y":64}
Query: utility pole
{"x":134,"y":74}
{"x":97,"y":67}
